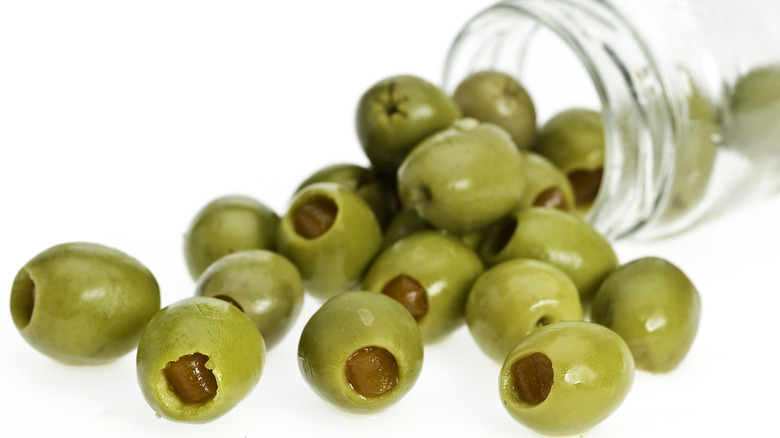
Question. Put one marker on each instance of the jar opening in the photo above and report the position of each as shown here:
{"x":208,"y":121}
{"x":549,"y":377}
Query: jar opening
{"x":584,"y":55}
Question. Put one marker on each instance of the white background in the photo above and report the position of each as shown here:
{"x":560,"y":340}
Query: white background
{"x":120,"y":120}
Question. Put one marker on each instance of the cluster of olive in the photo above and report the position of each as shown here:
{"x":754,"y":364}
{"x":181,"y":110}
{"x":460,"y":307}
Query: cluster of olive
{"x":456,"y":220}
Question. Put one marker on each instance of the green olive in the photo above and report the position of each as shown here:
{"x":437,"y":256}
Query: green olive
{"x":557,"y":237}
{"x":695,"y":156}
{"x":263,"y":284}
{"x":331,"y":235}
{"x":566,"y":377}
{"x":755,"y":108}
{"x":431,"y":275}
{"x":654,"y":307}
{"x":361,"y":351}
{"x":397,"y":113}
{"x":197,"y":359}
{"x":574,"y":141}
{"x":497,"y":98}
{"x":405,"y":222}
{"x":363,"y":181}
{"x":546,"y":185}
{"x":83,"y":303}
{"x":472,"y":239}
{"x":516,"y":297}
{"x":226,"y":225}
{"x":463,"y":178}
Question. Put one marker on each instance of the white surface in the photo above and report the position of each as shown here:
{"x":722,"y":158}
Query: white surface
{"x":120,"y":120}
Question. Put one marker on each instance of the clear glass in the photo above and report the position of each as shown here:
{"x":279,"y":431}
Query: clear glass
{"x":689,"y":92}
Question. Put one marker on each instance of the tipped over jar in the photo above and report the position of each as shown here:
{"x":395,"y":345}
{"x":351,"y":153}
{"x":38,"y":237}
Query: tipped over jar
{"x":688,"y":91}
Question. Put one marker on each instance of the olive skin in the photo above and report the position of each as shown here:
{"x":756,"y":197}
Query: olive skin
{"x":83,"y":303}
{"x":226,"y":225}
{"x":463,"y":178}
{"x":497,"y":98}
{"x":363,"y":181}
{"x":472,"y":239}
{"x":545,"y":184}
{"x":334,"y":261}
{"x":516,"y":297}
{"x":574,"y":141}
{"x":404,"y":223}
{"x":267,"y":287}
{"x":654,"y":307}
{"x":209,"y":326}
{"x":397,"y":113}
{"x":592,"y":373}
{"x":696,"y":153}
{"x":755,"y":105}
{"x":442,"y":265}
{"x":557,"y":237}
{"x":347,"y":323}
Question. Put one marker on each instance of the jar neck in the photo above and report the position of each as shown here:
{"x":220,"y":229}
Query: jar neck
{"x":641,"y":101}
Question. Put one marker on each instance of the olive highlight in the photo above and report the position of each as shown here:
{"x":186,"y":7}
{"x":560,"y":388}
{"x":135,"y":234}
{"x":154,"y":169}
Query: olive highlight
{"x":533,"y":376}
{"x":372,"y":371}
{"x":190,"y":380}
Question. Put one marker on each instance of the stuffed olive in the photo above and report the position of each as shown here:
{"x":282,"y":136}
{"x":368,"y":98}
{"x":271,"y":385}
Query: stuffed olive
{"x":361,"y":351}
{"x":83,"y":303}
{"x":263,"y":284}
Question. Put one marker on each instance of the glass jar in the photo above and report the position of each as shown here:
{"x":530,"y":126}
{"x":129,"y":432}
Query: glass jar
{"x":689,"y":92}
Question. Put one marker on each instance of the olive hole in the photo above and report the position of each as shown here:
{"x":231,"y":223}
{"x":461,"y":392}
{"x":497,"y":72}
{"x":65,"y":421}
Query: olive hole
{"x":500,"y":236}
{"x":420,"y":195}
{"x":393,"y":102}
{"x":551,"y":197}
{"x":509,"y":92}
{"x":314,"y":218}
{"x":190,"y":380}
{"x":586,"y":184}
{"x":365,"y":179}
{"x":22,"y":299}
{"x":393,"y":110}
{"x":533,"y":376}
{"x":543,"y":321}
{"x":407,"y":291}
{"x":229,"y":300}
{"x":372,"y":371}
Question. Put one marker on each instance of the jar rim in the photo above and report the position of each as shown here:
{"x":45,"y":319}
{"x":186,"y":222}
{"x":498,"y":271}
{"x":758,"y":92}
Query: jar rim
{"x":639,"y":106}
